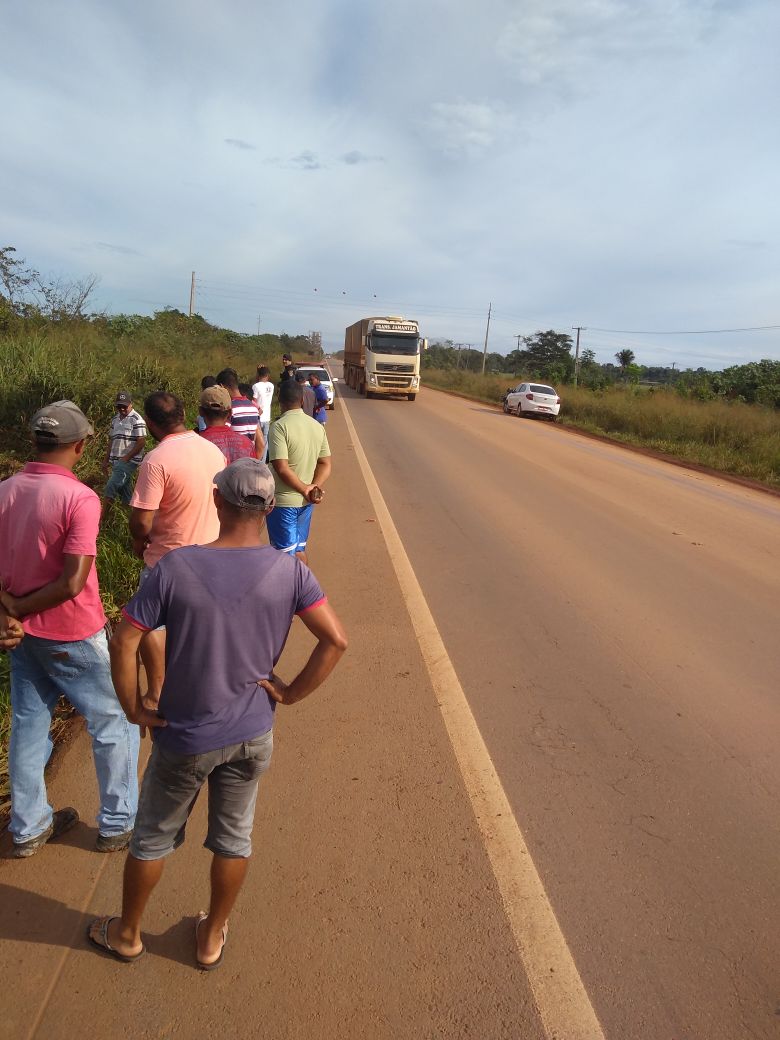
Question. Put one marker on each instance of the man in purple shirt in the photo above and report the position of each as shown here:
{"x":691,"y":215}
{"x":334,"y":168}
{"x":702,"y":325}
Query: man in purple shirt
{"x":227,"y":607}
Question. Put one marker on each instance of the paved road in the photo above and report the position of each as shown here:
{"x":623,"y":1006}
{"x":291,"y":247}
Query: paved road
{"x":614,"y":623}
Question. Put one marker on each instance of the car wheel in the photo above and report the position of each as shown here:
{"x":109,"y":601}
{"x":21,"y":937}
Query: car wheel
{"x":520,"y":412}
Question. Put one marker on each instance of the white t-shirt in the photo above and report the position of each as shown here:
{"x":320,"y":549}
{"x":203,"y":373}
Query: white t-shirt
{"x":263,"y":394}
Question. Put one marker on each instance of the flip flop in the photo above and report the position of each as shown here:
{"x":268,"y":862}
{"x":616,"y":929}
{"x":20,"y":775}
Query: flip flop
{"x":209,"y":965}
{"x":102,"y":943}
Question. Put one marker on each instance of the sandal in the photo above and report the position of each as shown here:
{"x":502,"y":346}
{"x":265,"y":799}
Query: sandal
{"x":102,"y":943}
{"x":209,"y":965}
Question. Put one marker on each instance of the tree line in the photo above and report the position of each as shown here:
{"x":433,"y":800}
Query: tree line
{"x":548,"y":356}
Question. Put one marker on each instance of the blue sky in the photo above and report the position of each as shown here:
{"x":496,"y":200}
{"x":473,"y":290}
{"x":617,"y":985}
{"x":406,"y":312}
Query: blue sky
{"x":606,"y":163}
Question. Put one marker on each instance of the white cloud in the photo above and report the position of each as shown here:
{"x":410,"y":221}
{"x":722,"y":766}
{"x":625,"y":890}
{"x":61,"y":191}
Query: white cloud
{"x":464,"y":128}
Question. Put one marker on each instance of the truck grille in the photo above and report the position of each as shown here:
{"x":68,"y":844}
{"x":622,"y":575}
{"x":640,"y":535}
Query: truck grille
{"x":383,"y":366}
{"x":397,"y":382}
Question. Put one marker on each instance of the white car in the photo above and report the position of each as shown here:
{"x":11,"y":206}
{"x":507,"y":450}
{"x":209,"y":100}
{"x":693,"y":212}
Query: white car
{"x":325,"y":379}
{"x":531,"y":399}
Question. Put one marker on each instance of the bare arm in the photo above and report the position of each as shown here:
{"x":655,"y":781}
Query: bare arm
{"x":323,"y":623}
{"x":259,"y":442}
{"x":282,"y":467}
{"x":141,"y":528}
{"x":68,"y":585}
{"x":321,"y":471}
{"x":123,"y":649}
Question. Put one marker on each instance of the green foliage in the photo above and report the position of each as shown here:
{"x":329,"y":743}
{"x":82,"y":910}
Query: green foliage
{"x":87,"y":360}
{"x":729,"y":436}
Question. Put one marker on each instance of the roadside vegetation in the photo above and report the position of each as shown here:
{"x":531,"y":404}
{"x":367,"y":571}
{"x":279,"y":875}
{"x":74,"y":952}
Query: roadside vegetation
{"x":728,"y":421}
{"x":50,"y":350}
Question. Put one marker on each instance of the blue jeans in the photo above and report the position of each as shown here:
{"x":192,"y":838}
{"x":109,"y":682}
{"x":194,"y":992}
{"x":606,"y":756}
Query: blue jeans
{"x":43,"y":670}
{"x":264,"y":428}
{"x":120,"y":483}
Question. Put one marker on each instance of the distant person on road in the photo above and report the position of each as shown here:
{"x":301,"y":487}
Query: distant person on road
{"x":48,"y":541}
{"x":245,"y":418}
{"x":205,"y":383}
{"x":172,"y":505}
{"x":320,"y":398}
{"x":288,"y":369}
{"x":124,"y":451}
{"x":217,"y":704}
{"x":300,"y":458}
{"x":215,"y":410}
{"x":262,"y":396}
{"x":309,"y":400}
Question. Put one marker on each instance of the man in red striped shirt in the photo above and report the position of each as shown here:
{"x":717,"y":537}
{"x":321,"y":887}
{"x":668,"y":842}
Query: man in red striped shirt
{"x":246,"y":418}
{"x":215,"y":410}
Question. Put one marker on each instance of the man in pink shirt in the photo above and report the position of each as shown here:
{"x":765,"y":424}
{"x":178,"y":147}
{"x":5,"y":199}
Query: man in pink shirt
{"x":172,"y":505}
{"x":48,"y":541}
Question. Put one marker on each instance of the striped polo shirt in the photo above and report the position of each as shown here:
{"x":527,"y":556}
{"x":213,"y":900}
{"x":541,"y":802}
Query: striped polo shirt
{"x":245,"y":417}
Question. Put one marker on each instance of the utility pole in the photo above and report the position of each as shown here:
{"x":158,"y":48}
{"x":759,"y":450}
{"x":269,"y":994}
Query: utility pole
{"x":259,"y":316}
{"x":579,"y":328}
{"x":487,"y":333}
{"x":192,"y":295}
{"x":518,"y":336}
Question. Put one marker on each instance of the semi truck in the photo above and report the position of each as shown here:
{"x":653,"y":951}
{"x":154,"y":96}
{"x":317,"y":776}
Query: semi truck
{"x":382,"y":357}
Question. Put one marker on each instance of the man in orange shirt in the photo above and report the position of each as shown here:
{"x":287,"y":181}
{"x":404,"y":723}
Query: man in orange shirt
{"x":172,"y":505}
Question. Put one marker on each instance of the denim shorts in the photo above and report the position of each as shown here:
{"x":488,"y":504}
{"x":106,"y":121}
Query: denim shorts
{"x":288,"y":527}
{"x":171,"y":786}
{"x":120,"y":483}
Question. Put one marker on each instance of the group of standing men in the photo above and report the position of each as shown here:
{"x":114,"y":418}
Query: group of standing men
{"x":210,"y":618}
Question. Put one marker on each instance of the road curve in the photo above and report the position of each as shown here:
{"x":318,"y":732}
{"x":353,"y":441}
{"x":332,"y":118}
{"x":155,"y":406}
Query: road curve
{"x":614,"y":623}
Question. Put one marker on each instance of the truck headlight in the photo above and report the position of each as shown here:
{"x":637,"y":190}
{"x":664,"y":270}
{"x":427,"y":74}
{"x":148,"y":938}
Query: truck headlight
{"x":415,"y":380}
{"x":372,"y":379}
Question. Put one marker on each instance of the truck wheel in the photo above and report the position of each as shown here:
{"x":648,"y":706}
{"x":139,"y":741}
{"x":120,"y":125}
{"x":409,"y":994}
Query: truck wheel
{"x":331,"y":406}
{"x":411,"y":397}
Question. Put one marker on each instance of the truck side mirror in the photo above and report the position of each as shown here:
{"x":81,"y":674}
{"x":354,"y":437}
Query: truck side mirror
{"x":425,"y":344}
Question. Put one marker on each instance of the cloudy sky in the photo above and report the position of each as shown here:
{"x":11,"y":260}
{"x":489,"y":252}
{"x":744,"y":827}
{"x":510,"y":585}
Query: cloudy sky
{"x":605,"y":163}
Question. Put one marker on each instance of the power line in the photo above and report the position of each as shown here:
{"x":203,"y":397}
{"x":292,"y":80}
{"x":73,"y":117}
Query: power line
{"x":682,"y":332}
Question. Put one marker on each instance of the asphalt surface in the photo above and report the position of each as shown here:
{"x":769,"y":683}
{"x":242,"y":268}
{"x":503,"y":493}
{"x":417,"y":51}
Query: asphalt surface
{"x":613,"y":622}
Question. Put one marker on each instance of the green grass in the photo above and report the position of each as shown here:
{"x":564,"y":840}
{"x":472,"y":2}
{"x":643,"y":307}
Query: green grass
{"x":727,"y":436}
{"x":87,"y":363}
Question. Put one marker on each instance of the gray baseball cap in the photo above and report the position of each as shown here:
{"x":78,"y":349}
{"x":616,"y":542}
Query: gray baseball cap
{"x":247,"y":483}
{"x":62,"y":422}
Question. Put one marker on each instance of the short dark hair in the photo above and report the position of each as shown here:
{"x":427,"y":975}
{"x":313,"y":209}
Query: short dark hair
{"x":219,"y":418}
{"x":290,"y":392}
{"x":246,"y":390}
{"x":300,"y":377}
{"x":263,"y":370}
{"x":48,"y":447}
{"x":164,"y":410}
{"x":208,"y":381}
{"x":228,"y":378}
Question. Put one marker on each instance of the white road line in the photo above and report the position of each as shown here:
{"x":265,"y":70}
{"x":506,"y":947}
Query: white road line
{"x":564,"y":1007}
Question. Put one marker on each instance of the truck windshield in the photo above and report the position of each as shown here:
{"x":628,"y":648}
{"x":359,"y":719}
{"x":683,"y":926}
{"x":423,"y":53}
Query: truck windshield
{"x":394,"y":344}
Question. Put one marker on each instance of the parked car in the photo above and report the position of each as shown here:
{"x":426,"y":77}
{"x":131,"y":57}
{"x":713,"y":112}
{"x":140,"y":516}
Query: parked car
{"x":531,"y":399}
{"x":325,"y":379}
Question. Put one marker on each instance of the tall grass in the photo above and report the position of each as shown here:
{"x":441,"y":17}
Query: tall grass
{"x":727,"y":436}
{"x":88,"y":363}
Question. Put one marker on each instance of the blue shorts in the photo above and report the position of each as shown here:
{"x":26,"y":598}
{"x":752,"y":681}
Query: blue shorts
{"x":120,"y":483}
{"x":288,"y":527}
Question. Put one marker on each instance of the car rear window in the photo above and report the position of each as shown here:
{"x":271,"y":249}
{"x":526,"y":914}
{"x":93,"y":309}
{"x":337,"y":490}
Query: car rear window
{"x":316,"y":372}
{"x":537,"y":389}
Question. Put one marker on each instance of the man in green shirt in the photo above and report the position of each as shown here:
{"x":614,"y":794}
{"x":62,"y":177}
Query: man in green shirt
{"x":300,"y":459}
